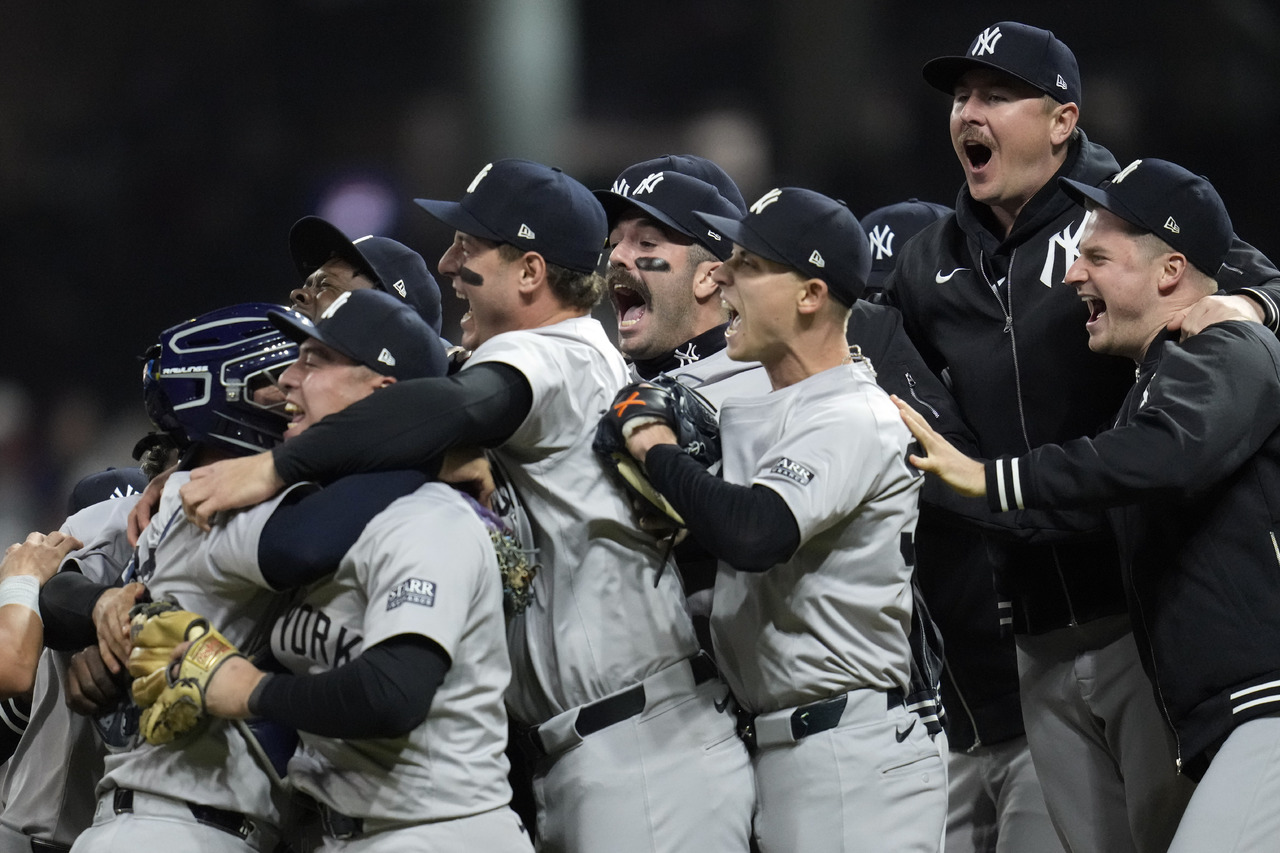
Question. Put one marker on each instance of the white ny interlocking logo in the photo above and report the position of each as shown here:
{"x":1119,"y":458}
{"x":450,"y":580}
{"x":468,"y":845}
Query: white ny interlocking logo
{"x":475,"y":182}
{"x":986,"y":42}
{"x":1124,"y":173}
{"x":648,"y":184}
{"x":765,"y":200}
{"x":1064,"y":247}
{"x":882,"y":241}
{"x":621,"y":186}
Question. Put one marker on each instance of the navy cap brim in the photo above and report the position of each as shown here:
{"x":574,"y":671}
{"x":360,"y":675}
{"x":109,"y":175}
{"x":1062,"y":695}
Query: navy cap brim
{"x":740,"y":233}
{"x":1080,"y":193}
{"x":943,"y":72}
{"x":313,"y":242}
{"x":453,"y":214}
{"x":615,"y":205}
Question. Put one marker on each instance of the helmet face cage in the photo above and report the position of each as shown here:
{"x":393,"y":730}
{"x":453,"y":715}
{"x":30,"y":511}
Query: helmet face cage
{"x":209,"y":380}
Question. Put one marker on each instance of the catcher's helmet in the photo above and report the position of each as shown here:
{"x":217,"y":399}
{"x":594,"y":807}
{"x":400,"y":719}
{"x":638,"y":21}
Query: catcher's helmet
{"x":200,"y":380}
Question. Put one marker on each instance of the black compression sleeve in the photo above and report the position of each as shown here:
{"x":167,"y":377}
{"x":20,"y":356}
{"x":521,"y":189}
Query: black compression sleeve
{"x":410,"y":424}
{"x":385,"y":692}
{"x":749,"y":527}
{"x":308,"y":533}
{"x":66,"y":607}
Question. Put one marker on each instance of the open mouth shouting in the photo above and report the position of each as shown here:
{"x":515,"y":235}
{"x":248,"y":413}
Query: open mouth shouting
{"x":1097,"y":308}
{"x":295,"y":414}
{"x":630,"y":299}
{"x":978,"y":154}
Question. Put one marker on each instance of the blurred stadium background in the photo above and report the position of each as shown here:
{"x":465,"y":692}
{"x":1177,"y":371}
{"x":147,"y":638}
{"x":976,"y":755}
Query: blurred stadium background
{"x":154,"y":154}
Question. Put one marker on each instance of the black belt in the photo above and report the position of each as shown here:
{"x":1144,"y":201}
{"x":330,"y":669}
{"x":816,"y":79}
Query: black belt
{"x":811,"y":719}
{"x":40,"y":845}
{"x":224,"y":819}
{"x":338,"y":826}
{"x":621,"y":706}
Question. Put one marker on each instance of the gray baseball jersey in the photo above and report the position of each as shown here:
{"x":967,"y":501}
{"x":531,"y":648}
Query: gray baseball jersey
{"x":424,"y":565}
{"x":601,"y":619}
{"x":718,"y":377}
{"x":836,"y":615}
{"x":216,"y":575}
{"x":49,"y":786}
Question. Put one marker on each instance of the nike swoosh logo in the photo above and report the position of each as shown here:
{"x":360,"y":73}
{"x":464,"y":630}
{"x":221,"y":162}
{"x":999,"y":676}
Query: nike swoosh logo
{"x":902,"y":735}
{"x":943,"y":279}
{"x":721,"y":705}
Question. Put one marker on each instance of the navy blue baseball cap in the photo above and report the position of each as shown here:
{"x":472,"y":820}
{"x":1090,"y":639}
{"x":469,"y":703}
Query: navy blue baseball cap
{"x":686,"y":164}
{"x":1033,"y":55}
{"x":890,"y":226}
{"x":393,"y":267}
{"x":533,"y":207}
{"x":105,"y":485}
{"x":815,"y":235}
{"x":671,"y":198}
{"x":1181,"y":208}
{"x":374,"y":329}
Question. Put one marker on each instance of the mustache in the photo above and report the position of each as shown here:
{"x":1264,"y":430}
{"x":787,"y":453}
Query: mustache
{"x":618,"y":277}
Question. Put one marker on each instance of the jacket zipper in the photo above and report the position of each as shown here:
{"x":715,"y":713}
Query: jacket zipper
{"x":973,"y":723}
{"x":1164,"y":708}
{"x":1007,"y":308}
{"x":911,"y":383}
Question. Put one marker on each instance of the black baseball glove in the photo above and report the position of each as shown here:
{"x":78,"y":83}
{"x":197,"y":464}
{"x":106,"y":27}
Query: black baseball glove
{"x":662,"y":399}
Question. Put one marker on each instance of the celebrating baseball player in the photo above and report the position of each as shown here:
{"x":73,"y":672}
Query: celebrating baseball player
{"x":1190,"y":481}
{"x":48,"y":788}
{"x":399,"y":658}
{"x":239,"y":351}
{"x":979,"y":295}
{"x":812,"y":524}
{"x":635,"y":752}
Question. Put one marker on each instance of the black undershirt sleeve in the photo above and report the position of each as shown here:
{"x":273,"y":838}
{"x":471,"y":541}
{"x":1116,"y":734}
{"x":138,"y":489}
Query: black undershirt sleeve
{"x":410,"y":424}
{"x":749,"y":527}
{"x":66,"y":608}
{"x":311,"y":530}
{"x":386,"y":692}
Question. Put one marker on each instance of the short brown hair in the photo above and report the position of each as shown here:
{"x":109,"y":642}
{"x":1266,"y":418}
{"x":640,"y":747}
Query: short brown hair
{"x":580,"y":290}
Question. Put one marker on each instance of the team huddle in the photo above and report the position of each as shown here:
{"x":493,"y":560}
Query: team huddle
{"x":862,"y":536}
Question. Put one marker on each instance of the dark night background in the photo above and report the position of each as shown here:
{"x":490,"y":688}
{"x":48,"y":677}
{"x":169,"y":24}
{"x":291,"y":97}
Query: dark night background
{"x":154,"y":154}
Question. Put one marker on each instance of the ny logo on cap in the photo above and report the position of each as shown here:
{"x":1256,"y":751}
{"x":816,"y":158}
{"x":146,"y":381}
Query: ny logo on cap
{"x":621,"y":186}
{"x":765,"y":200}
{"x":881,"y":238}
{"x":1125,"y":172}
{"x":336,"y":304}
{"x":386,"y":357}
{"x":647,"y":185}
{"x":475,"y":182}
{"x":986,"y":42}
{"x":525,"y":232}
{"x":817,"y":260}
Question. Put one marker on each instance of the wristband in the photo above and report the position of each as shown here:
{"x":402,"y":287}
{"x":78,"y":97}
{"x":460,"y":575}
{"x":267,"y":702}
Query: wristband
{"x":21,"y":589}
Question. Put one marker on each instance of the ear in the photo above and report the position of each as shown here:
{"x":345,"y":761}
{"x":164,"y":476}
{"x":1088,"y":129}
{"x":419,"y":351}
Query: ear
{"x":384,"y":381}
{"x":533,"y":272}
{"x":812,"y":295}
{"x":1063,"y":121}
{"x":1172,"y":270}
{"x":704,"y":285}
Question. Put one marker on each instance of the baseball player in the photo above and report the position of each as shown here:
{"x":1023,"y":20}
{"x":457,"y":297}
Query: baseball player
{"x":977,"y":295}
{"x":813,"y":599}
{"x":1190,"y":482}
{"x":994,"y":797}
{"x":634,"y":753}
{"x":661,"y":259}
{"x":400,"y":659}
{"x":236,"y":350}
{"x":48,"y":784}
